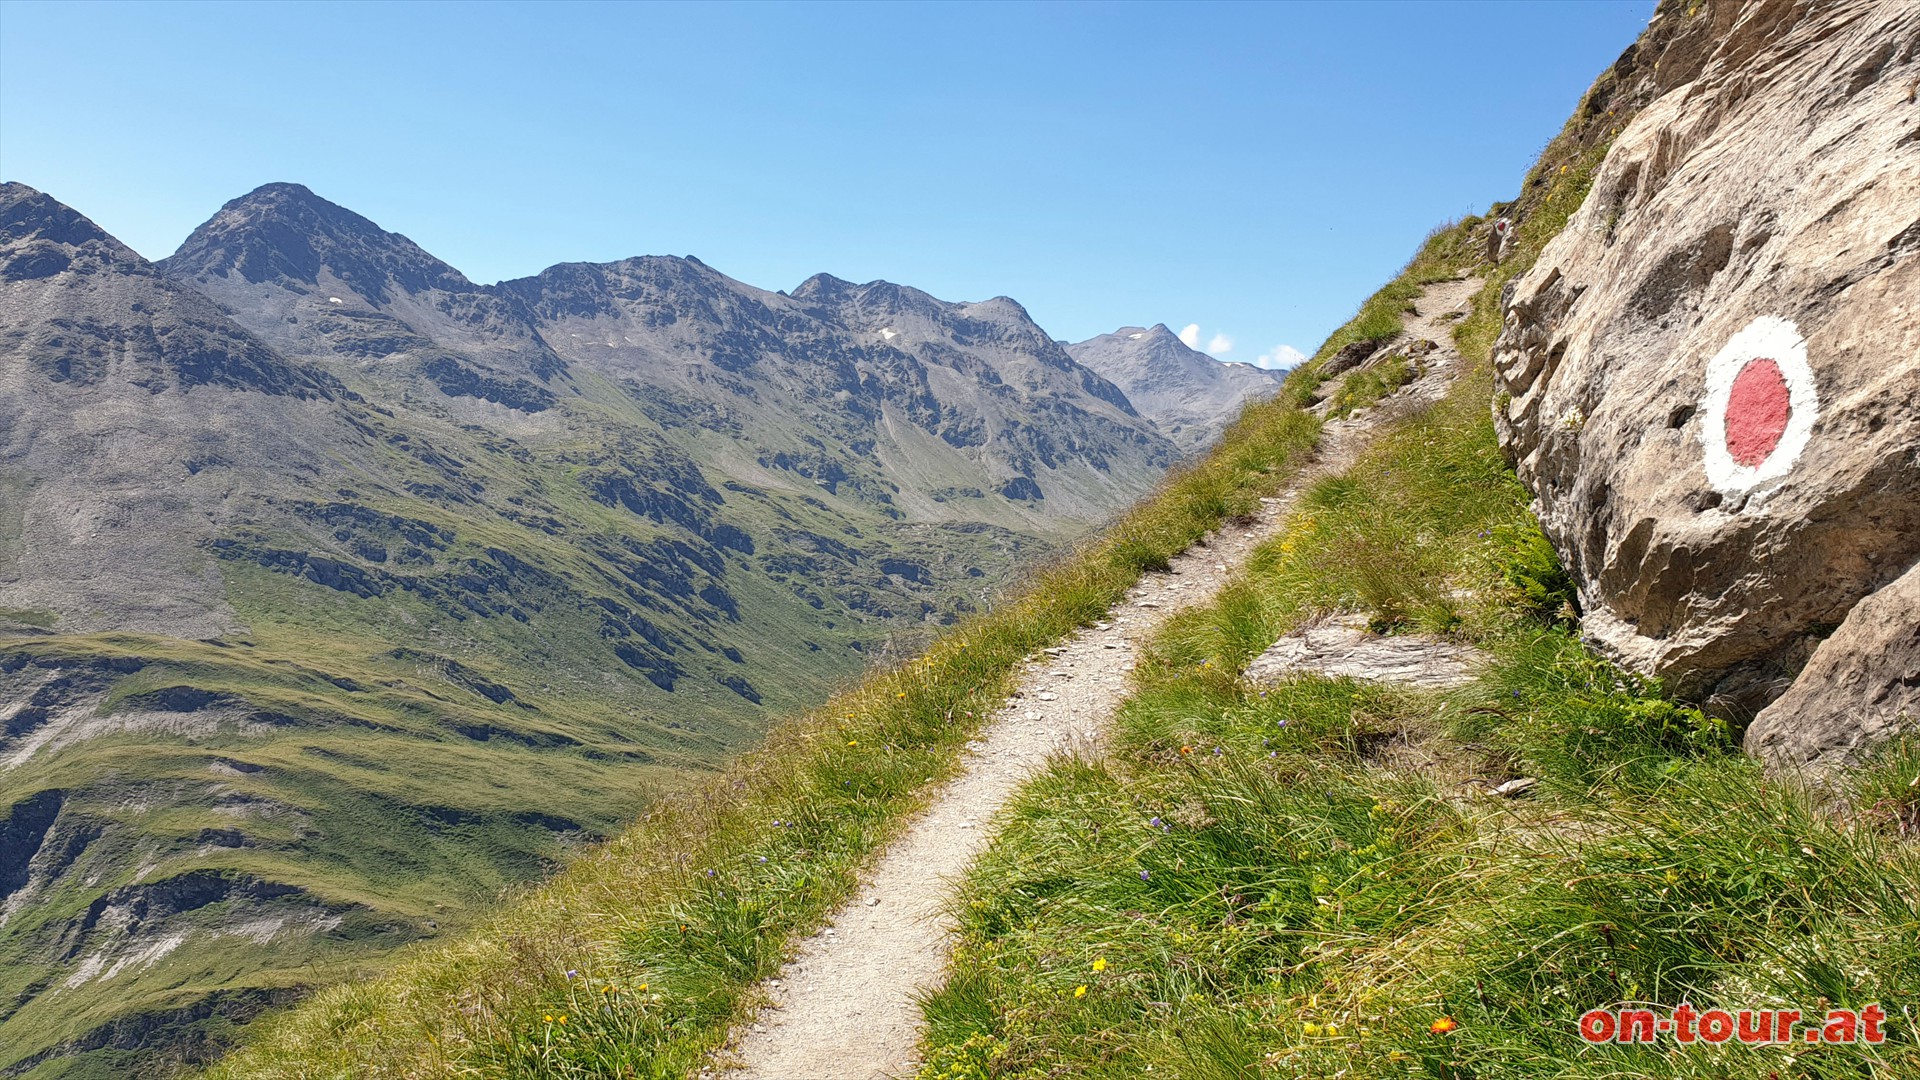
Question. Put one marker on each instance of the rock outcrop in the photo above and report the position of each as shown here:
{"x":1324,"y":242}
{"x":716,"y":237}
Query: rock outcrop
{"x":1709,"y":378}
{"x":1861,"y":688}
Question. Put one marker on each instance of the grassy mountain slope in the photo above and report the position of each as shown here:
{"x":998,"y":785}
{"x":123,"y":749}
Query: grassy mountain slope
{"x":1303,"y":906}
{"x":320,"y":637}
{"x":1316,"y":889}
{"x":651,"y":944}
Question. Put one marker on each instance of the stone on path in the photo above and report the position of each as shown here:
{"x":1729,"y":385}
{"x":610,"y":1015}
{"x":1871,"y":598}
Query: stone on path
{"x":1343,"y":647}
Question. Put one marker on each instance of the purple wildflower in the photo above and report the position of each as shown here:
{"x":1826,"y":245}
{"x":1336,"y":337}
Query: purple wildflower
{"x":1144,"y":875}
{"x":571,"y":972}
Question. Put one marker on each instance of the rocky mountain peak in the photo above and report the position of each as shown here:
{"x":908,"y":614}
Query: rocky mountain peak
{"x":40,"y":235}
{"x":1189,"y":395}
{"x":28,"y":214}
{"x":285,"y":232}
{"x":822,"y":288}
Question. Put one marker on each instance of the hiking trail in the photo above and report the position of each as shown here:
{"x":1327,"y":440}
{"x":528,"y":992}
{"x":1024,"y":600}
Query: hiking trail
{"x":845,"y":1007}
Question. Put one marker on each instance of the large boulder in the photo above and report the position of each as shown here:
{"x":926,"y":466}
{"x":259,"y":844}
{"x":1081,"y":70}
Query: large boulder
{"x":1861,"y":687}
{"x":1711,"y":378}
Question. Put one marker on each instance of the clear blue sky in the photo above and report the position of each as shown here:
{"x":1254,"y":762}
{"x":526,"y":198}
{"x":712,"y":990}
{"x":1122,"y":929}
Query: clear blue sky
{"x":1255,"y":169}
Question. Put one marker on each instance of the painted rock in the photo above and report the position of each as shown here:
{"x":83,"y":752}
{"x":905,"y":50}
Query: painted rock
{"x":1711,"y":378}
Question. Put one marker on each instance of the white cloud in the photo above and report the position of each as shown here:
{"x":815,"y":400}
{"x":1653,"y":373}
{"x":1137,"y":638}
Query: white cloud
{"x":1191,"y":335}
{"x":1221,"y":343}
{"x":1279,"y":358}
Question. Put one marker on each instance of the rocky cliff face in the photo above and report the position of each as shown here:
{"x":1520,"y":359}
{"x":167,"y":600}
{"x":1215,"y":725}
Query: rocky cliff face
{"x":1190,"y":396}
{"x":1710,"y":377}
{"x":926,"y":409}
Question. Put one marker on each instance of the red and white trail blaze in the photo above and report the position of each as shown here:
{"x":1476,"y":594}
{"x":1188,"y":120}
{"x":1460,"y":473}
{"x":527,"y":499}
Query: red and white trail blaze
{"x":1760,"y":406}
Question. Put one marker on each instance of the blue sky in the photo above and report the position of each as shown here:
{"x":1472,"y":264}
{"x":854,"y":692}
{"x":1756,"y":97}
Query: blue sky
{"x":1251,"y":169}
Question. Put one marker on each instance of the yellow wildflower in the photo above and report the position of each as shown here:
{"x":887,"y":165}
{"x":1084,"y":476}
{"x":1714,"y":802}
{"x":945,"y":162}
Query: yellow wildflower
{"x":853,"y":742}
{"x":1310,"y":1028}
{"x":547,"y":1018}
{"x":1080,"y":991}
{"x":562,"y":1020}
{"x":1100,"y":964}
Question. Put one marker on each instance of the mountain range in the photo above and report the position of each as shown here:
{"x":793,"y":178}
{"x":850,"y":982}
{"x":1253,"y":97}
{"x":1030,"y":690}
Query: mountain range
{"x":338,"y":592}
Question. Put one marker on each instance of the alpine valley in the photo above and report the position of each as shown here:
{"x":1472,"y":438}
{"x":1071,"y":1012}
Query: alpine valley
{"x":339,"y":593}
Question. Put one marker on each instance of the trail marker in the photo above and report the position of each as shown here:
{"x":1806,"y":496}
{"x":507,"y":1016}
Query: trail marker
{"x":1760,"y":406}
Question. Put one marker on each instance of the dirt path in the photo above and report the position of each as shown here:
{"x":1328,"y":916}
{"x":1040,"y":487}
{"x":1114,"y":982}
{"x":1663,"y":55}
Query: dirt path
{"x":845,"y":1007}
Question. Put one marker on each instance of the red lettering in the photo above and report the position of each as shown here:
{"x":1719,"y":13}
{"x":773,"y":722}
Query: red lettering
{"x":1840,"y":1026}
{"x":1596,"y":1026}
{"x":1755,"y":1025}
{"x":1783,"y":1022}
{"x":1683,"y":1023}
{"x":1636,"y":1025}
{"x":1716,"y":1025}
{"x":1871,"y":1017}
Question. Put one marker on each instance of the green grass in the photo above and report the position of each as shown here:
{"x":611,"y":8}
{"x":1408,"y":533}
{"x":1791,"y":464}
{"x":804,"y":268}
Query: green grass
{"x":644,"y":912}
{"x":1292,"y":880}
{"x":1289,"y":881}
{"x":1362,"y":388}
{"x":668,"y":927}
{"x":413,"y":753}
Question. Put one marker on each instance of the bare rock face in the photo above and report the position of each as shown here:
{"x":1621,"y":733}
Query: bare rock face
{"x":1861,"y":688}
{"x":1710,"y":378}
{"x":136,"y":422}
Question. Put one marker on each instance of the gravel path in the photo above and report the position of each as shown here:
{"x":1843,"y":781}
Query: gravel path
{"x":845,"y":1007}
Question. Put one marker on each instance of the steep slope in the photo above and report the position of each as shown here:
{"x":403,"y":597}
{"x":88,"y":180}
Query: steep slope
{"x":1710,"y":382}
{"x":238,"y":595}
{"x":134,"y":418}
{"x":920,"y":409}
{"x":1189,"y":396}
{"x":334,"y":607}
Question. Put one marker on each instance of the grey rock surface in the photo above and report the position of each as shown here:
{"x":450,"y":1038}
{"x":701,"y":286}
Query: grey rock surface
{"x":1189,"y":396}
{"x":1709,"y":378}
{"x":1860,"y":689}
{"x":942,"y":412}
{"x":1343,"y":647}
{"x":136,"y":422}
